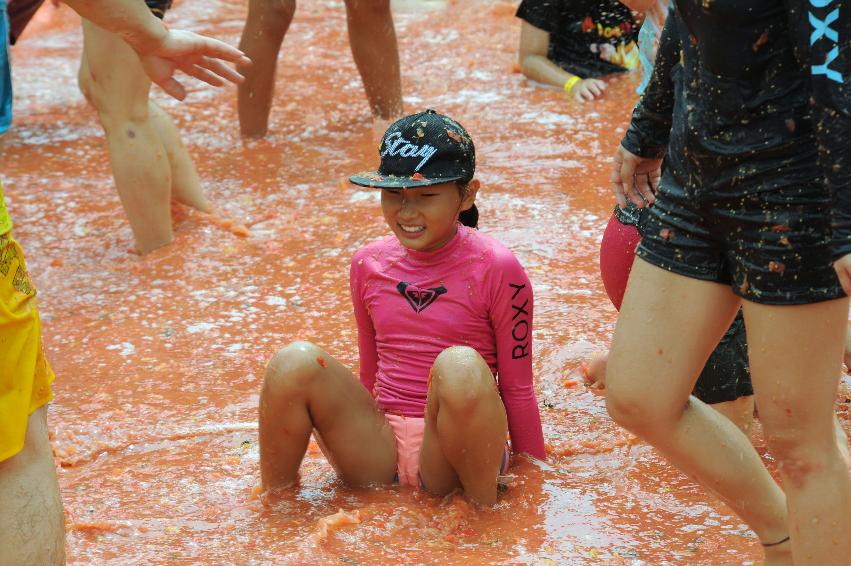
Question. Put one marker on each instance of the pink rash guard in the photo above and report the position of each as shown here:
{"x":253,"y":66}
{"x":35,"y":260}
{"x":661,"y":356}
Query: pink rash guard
{"x":410,"y":306}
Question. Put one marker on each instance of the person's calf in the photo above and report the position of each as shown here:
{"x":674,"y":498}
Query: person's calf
{"x":32,"y":521}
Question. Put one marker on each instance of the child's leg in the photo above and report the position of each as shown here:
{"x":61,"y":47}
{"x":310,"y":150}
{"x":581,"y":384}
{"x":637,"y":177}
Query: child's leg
{"x":306,"y":389}
{"x":265,"y":28}
{"x":465,"y":427}
{"x":113,"y":81}
{"x":185,"y":185}
{"x":372,"y":37}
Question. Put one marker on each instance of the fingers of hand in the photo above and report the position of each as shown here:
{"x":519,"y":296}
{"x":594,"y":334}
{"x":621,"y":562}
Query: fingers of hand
{"x":172,"y":87}
{"x":221,"y":69}
{"x":203,"y":74}
{"x":615,"y":178}
{"x":221,"y":50}
{"x":643,"y":187}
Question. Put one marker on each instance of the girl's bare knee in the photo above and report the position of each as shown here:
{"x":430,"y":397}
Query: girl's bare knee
{"x":462,"y":378}
{"x":293,"y":368}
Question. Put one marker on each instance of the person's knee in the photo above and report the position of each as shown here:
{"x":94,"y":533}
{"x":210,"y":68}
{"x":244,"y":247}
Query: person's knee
{"x":462,"y":379}
{"x":275,"y":13}
{"x":798,"y":453}
{"x":293,"y":369}
{"x":637,"y":412}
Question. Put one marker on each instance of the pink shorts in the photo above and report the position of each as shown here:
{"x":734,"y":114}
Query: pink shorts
{"x":409,"y":439}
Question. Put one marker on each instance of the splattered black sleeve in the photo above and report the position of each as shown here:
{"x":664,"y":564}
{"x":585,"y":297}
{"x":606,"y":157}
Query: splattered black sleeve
{"x":822,"y":34}
{"x":650,"y":126}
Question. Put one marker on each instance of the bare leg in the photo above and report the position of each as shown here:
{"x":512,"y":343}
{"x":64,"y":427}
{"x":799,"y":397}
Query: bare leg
{"x":793,"y":356}
{"x":185,"y":185}
{"x":113,"y":81}
{"x":32,"y":522}
{"x":307,"y":389}
{"x":740,"y":412}
{"x":465,"y":427}
{"x":667,"y":328}
{"x":372,"y":37}
{"x":265,"y":28}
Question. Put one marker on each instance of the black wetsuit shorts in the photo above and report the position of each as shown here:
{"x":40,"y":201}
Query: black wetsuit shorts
{"x":726,"y":375}
{"x":771,"y":247}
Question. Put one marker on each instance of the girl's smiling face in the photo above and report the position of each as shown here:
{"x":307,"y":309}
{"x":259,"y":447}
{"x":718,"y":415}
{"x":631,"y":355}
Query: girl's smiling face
{"x":425,"y":218}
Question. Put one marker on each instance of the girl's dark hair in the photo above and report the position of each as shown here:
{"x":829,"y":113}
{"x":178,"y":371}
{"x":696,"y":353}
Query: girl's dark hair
{"x":469,"y":217}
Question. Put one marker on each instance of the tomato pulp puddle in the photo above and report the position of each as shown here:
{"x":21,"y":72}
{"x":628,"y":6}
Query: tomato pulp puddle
{"x":159,"y":359}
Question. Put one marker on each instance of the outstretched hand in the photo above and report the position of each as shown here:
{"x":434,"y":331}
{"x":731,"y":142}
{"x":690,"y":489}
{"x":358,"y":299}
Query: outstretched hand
{"x":196,"y":55}
{"x":635,"y":178}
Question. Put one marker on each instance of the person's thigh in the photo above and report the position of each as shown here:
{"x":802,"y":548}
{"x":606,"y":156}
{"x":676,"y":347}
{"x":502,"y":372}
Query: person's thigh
{"x":351,"y":429}
{"x":668,"y":326}
{"x":32,"y":522}
{"x":116,"y":83}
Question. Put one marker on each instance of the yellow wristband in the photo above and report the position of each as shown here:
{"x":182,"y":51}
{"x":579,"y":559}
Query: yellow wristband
{"x":571,"y":82}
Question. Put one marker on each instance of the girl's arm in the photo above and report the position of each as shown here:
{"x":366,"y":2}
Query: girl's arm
{"x":822,"y":34}
{"x":367,"y":350}
{"x":511,"y":317}
{"x":651,"y":122}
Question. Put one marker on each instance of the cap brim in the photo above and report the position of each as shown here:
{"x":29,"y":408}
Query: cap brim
{"x":378,"y":181}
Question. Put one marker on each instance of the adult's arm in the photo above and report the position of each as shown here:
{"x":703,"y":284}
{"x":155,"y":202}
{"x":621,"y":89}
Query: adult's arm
{"x":511,"y":318}
{"x":650,"y":127}
{"x":367,"y":349}
{"x":163,"y":51}
{"x":822,"y":33}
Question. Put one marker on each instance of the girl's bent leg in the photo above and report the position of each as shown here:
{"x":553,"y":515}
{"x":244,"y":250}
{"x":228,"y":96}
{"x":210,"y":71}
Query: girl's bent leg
{"x":306,"y":389}
{"x":794,"y":353}
{"x":465,"y":427}
{"x":667,"y":328}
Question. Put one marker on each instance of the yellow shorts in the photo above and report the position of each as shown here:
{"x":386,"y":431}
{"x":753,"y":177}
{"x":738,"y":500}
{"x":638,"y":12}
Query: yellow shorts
{"x":25,"y":375}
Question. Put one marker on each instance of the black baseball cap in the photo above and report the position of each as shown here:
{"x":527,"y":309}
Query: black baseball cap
{"x":421,"y":150}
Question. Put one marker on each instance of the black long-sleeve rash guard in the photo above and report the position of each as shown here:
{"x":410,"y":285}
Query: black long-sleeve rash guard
{"x":765,"y":93}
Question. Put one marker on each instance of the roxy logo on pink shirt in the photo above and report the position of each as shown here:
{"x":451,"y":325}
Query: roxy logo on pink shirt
{"x":419,"y":299}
